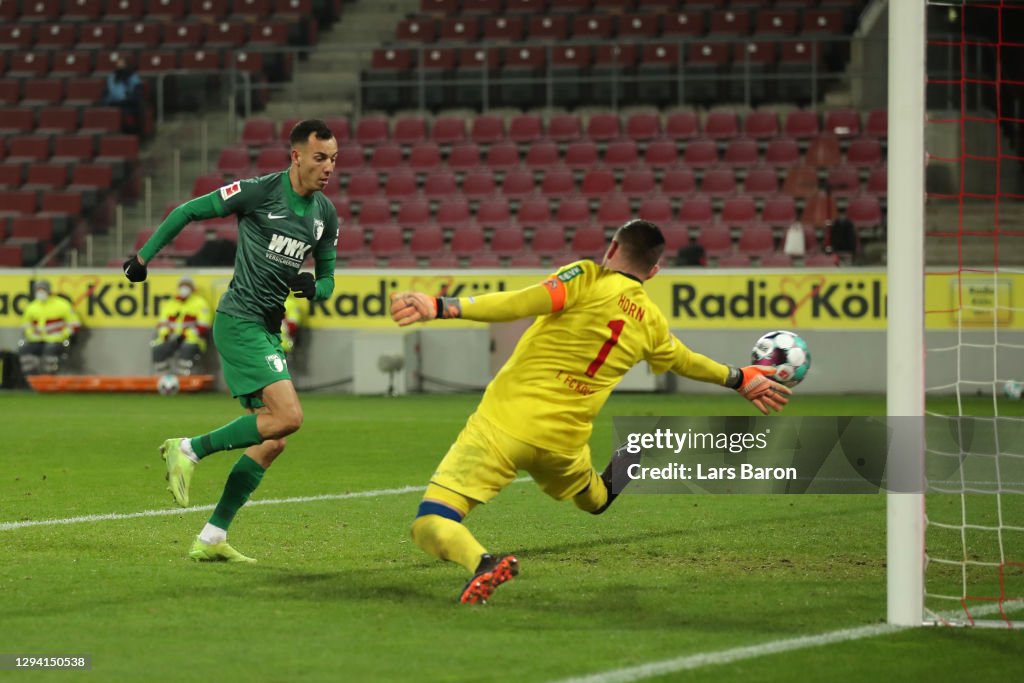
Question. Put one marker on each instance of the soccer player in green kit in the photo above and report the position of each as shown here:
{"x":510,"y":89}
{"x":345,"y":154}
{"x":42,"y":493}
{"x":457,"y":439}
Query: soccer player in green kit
{"x":282,"y":217}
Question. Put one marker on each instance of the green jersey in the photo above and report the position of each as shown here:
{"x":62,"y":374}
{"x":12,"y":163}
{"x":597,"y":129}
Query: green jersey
{"x":277,"y":230}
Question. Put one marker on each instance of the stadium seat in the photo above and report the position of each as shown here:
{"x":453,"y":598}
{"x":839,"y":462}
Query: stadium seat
{"x":843,"y":181}
{"x":736,"y":260}
{"x":661,"y":154}
{"x":478,"y":183}
{"x":802,"y":125}
{"x":819,"y":210}
{"x":387,"y":156}
{"x":517,"y":183}
{"x":28,"y":148}
{"x":695,"y":211}
{"x":823,"y":152}
{"x":410,"y":130}
{"x":468,"y":240}
{"x":678,"y":182}
{"x":580,"y":155}
{"x":643,"y":126}
{"x":592,"y":27}
{"x":721,"y":125}
{"x":484,"y":260}
{"x":534,"y":211}
{"x":738,"y":211}
{"x":57,"y":120}
{"x":448,"y":130}
{"x":416,"y":29}
{"x":718,"y":182}
{"x":400,"y":184}
{"x":776,"y":259}
{"x":426,"y":240}
{"x":598,"y":182}
{"x":101,"y":120}
{"x":864,"y":152}
{"x":233,"y":161}
{"x":558,"y":182}
{"x":756,"y":240}
{"x":487,"y":129}
{"x":350,"y":158}
{"x":657,"y":74}
{"x":386,"y":240}
{"x":273,"y":159}
{"x":425,"y":156}
{"x":12,"y":176}
{"x":603,"y":127}
{"x":776,"y":22}
{"x":548,"y":240}
{"x":494,"y":213}
{"x":741,"y":153}
{"x":878,"y":181}
{"x":442,"y":261}
{"x":14,"y":121}
{"x":466,"y":155}
{"x":843,"y":123}
{"x":543,"y":156}
{"x":676,"y":237}
{"x":621,"y":154}
{"x":565,"y":128}
{"x":573,"y":211}
{"x":877,"y":124}
{"x":821,"y":261}
{"x":503,"y":156}
{"x":372,"y":130}
{"x":638,"y":183}
{"x":508,"y":241}
{"x":705,"y":62}
{"x":525,"y":128}
{"x":761,"y":125}
{"x":351,"y":241}
{"x":864,"y":211}
{"x":413,"y":213}
{"x":526,"y":259}
{"x":782,"y":153}
{"x":588,"y":242}
{"x":684,"y":22}
{"x":363,"y":184}
{"x":700,"y":154}
{"x":42,"y":92}
{"x":761,"y":182}
{"x":716,"y":240}
{"x":614,"y":64}
{"x":682,"y":125}
{"x":778,"y":211}
{"x":440,"y":183}
{"x":542,"y":26}
{"x":656,"y":209}
{"x":46,"y":177}
{"x":453,"y":212}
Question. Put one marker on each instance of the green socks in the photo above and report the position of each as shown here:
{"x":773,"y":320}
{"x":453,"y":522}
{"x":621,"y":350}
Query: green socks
{"x":239,"y":433}
{"x":245,"y":476}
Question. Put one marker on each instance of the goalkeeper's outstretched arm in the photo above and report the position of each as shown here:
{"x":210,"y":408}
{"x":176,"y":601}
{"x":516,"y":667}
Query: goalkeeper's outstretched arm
{"x":413,"y":307}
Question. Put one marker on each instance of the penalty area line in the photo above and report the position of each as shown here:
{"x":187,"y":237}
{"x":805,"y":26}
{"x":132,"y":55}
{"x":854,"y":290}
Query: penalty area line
{"x":703,"y":659}
{"x":118,"y":516}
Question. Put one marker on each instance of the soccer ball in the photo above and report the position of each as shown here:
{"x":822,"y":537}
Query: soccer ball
{"x":1012,"y":390}
{"x":167,"y":385}
{"x":785,"y":351}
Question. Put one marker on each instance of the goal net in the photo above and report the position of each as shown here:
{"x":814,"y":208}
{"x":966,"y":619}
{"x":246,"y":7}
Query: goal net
{"x":973,"y":506}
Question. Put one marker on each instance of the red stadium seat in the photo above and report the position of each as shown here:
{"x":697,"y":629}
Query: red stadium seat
{"x":69,"y":149}
{"x":843,"y":181}
{"x":525,"y":260}
{"x":580,"y":155}
{"x":140,"y":35}
{"x":478,"y":183}
{"x":374,"y":213}
{"x":28,"y":148}
{"x":484,"y":260}
{"x":729,"y":23}
{"x":643,"y":126}
{"x":454,"y":212}
{"x":802,"y":125}
{"x":696,"y":210}
{"x":233,"y":161}
{"x":739,"y":211}
{"x":494,"y":212}
{"x":878,"y":181}
{"x":386,"y":156}
{"x":819,"y":210}
{"x":878,"y":124}
{"x":439,"y":184}
{"x":661,"y":154}
{"x":466,"y":155}
{"x":502,"y":156}
{"x":363,"y":184}
{"x":534,"y":211}
{"x":416,"y":30}
{"x":718,"y":182}
{"x":350,"y":158}
{"x":865,"y":152}
{"x":761,"y":125}
{"x":487,"y":129}
{"x":351,"y":241}
{"x":716,"y":240}
{"x":57,"y":120}
{"x":386,"y":240}
{"x":468,"y":240}
{"x":460,"y":29}
{"x":542,"y":156}
{"x":656,"y":209}
{"x":46,"y":177}
{"x":592,"y":27}
{"x":761,"y":182}
{"x":776,"y":22}
{"x":682,"y":125}
{"x":401,"y":183}
{"x":426,"y":240}
{"x":525,"y":128}
{"x":410,"y":130}
{"x":776,"y":259}
{"x":565,"y":127}
{"x":558,"y":182}
{"x":548,"y":240}
{"x":588,"y":242}
{"x":638,"y":183}
{"x":573,"y":211}
{"x":503,"y":28}
{"x":756,"y":240}
{"x":603,"y":127}
{"x":722,"y":125}
{"x":782,"y":153}
{"x":517,"y":183}
{"x":414,"y":213}
{"x":737,"y":260}
{"x":614,"y":210}
{"x":843,"y":123}
{"x":40,"y":92}
{"x":864,"y":211}
{"x":823,"y":152}
{"x":700,"y":154}
{"x":28,"y":65}
{"x":184,"y":35}
{"x":225,"y":34}
{"x":741,"y":153}
{"x":259,"y":132}
{"x":621,"y":154}
{"x":448,"y":130}
{"x":424,"y":156}
{"x":372,"y":130}
{"x":547,"y":27}
{"x":678,"y":182}
{"x":779,"y":211}
{"x":507,"y":241}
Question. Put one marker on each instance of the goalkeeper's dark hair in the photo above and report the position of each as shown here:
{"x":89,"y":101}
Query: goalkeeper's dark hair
{"x":303,"y":129}
{"x":641,"y":242}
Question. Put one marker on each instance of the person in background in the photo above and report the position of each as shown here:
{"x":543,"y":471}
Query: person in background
{"x":124,"y":90}
{"x":49,"y":328}
{"x":183,"y":330}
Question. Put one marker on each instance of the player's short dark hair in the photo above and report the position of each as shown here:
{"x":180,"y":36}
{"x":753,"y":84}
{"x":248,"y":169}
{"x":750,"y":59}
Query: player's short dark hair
{"x":303,"y":129}
{"x":642,"y":242}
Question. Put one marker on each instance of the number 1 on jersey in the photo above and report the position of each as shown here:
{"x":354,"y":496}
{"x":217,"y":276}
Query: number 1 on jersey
{"x":616,"y":327}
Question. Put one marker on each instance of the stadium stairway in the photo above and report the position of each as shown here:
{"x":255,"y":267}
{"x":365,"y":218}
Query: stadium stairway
{"x":327,"y":85}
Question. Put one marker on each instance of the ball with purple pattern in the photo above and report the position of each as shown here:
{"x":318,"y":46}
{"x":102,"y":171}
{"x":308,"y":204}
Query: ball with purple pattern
{"x":787,"y":352}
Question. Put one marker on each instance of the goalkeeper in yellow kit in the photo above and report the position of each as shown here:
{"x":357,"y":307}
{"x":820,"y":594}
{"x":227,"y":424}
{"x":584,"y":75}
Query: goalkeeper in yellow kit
{"x":594,"y":322}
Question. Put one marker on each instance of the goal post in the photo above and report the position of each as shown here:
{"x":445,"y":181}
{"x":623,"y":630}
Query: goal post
{"x":905,"y":344}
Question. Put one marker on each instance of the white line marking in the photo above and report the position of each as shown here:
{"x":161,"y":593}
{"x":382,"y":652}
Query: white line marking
{"x":697,"y":661}
{"x":116,"y":516}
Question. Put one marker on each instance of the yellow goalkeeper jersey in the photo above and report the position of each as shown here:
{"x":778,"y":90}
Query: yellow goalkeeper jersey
{"x":601,"y":323}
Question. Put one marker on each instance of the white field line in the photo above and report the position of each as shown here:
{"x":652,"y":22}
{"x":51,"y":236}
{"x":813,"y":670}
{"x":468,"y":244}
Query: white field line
{"x":736,"y":654}
{"x":118,"y":516}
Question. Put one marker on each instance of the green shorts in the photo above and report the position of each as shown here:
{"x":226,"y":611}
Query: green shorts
{"x":250,"y":356}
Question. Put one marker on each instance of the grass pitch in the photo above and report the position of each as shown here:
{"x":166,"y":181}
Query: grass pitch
{"x":340,"y":593}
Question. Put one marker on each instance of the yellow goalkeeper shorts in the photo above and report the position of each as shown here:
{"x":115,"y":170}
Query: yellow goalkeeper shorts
{"x":484,"y":460}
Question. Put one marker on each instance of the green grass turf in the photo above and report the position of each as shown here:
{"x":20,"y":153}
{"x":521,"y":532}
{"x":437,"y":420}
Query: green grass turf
{"x":342,"y":594}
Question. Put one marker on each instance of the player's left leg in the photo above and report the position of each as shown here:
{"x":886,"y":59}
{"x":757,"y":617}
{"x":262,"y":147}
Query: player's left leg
{"x":244,"y":478}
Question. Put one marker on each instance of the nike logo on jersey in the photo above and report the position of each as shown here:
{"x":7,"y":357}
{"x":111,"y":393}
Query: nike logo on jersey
{"x":272,"y":217}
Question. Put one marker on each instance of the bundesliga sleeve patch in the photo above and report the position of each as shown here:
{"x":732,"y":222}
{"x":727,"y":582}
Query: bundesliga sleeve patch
{"x":570,"y":273}
{"x":231,"y":190}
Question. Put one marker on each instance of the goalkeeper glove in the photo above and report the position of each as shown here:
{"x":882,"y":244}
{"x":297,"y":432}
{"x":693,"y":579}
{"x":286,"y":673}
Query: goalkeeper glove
{"x":134,"y":270}
{"x":304,"y":285}
{"x":753,"y":382}
{"x":412,"y":307}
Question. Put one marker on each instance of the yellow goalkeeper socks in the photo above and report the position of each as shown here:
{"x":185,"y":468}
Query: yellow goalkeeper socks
{"x":446,"y":539}
{"x":594,"y":496}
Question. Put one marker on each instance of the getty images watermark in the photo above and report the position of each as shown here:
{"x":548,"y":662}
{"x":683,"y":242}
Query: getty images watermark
{"x":782,"y":454}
